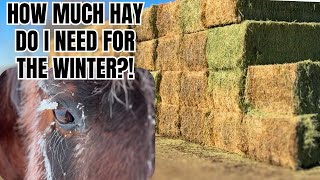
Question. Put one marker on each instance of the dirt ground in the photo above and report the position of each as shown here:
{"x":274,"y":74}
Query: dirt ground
{"x":178,"y":159}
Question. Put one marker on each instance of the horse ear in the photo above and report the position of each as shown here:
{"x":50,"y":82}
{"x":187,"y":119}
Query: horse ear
{"x":9,"y":99}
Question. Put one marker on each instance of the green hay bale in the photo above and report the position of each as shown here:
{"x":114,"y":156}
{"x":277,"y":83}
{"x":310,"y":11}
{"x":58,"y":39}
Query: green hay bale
{"x":191,"y":15}
{"x":170,"y":87}
{"x":226,"y":47}
{"x":308,"y":133}
{"x":279,"y":11}
{"x":194,"y":89}
{"x":157,"y":79}
{"x":258,"y":43}
{"x":308,"y":90}
{"x":168,"y":54}
{"x":148,"y":29}
{"x":290,"y":141}
{"x":168,"y":19}
{"x":145,"y":56}
{"x":196,"y":124}
{"x":287,"y":88}
{"x":273,"y":43}
{"x":221,"y":12}
{"x":168,"y":120}
{"x":225,"y":88}
{"x":193,"y":51}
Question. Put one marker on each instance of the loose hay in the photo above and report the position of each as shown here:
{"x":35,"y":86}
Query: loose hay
{"x":191,"y":15}
{"x":221,"y":12}
{"x":145,"y":56}
{"x":170,"y":87}
{"x":287,"y":88}
{"x":257,"y":43}
{"x":193,"y":51}
{"x":168,"y":54}
{"x":168,"y":19}
{"x":148,"y":29}
{"x":168,"y":120}
{"x":196,"y":124}
{"x":194,"y":89}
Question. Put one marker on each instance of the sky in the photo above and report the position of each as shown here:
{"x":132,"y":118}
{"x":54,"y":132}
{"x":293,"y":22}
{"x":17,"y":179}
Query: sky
{"x":7,"y":39}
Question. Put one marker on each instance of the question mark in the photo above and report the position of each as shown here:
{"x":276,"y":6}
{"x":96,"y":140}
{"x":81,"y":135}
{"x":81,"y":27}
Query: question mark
{"x":122,"y":66}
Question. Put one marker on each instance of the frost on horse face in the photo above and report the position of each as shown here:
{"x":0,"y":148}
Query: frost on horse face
{"x":77,"y":129}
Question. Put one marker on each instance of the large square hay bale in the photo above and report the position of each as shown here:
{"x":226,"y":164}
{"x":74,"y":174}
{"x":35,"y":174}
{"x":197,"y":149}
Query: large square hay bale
{"x":226,"y":46}
{"x":288,"y":88}
{"x":226,"y":89}
{"x":146,"y":54}
{"x":170,"y":87}
{"x":256,"y":43}
{"x":168,"y":19}
{"x":168,"y":54}
{"x":226,"y":132}
{"x":193,"y":51}
{"x":196,"y":124}
{"x":194,"y":89}
{"x":221,"y":12}
{"x":168,"y":120}
{"x":291,"y":141}
{"x":148,"y":28}
{"x":191,"y":15}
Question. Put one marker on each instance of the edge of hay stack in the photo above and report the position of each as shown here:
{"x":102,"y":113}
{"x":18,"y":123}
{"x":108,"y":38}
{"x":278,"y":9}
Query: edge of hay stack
{"x":148,"y":29}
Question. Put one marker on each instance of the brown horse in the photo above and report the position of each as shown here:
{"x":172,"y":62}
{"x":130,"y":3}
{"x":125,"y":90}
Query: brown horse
{"x":76,"y":129}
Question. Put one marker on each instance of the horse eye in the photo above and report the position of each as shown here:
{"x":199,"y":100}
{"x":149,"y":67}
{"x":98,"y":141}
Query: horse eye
{"x":63,"y":116}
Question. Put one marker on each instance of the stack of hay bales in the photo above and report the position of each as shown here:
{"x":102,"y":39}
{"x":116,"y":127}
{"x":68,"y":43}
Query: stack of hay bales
{"x":226,"y":76}
{"x":231,"y":74}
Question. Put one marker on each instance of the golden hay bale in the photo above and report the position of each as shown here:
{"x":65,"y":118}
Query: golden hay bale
{"x":270,"y":88}
{"x":170,"y":87}
{"x":225,"y":89}
{"x":168,"y":54}
{"x":148,"y":29}
{"x":145,"y":55}
{"x":193,"y":51}
{"x":196,"y":124}
{"x":220,"y":12}
{"x":286,"y":140}
{"x":226,"y":131}
{"x":194,"y":89}
{"x":168,"y":19}
{"x":168,"y":120}
{"x":288,"y":88}
{"x":271,"y":139}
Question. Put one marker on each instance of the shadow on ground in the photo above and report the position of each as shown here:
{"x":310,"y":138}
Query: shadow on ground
{"x":178,"y":159}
